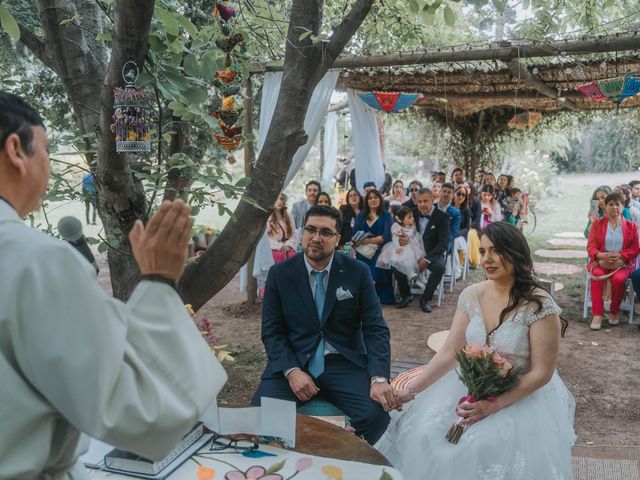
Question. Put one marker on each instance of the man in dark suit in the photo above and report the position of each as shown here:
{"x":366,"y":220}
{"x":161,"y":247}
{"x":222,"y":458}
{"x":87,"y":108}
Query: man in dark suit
{"x":433,"y":224}
{"x":323,"y":330}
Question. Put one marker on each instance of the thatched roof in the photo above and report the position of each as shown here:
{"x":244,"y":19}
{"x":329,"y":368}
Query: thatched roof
{"x":465,"y":88}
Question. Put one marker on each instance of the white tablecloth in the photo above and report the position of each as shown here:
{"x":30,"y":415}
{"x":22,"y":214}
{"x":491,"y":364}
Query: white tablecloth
{"x":316,"y":469}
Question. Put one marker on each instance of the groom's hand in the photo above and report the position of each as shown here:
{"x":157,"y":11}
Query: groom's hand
{"x":302,"y":385}
{"x":385,"y":395}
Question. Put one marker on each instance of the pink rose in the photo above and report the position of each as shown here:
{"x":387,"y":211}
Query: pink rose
{"x":475,"y":351}
{"x":503,"y":364}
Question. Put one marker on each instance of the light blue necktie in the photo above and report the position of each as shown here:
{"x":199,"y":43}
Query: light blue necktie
{"x":316,"y":364}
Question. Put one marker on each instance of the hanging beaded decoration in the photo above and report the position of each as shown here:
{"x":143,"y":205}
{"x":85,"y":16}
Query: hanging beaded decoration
{"x":130,"y":114}
{"x":226,"y":108}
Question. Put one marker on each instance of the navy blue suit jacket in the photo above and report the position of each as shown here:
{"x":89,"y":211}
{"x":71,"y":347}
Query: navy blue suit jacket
{"x":291,"y":329}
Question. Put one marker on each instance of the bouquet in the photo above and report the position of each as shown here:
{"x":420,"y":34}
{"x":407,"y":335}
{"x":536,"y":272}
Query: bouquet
{"x":486,"y":374}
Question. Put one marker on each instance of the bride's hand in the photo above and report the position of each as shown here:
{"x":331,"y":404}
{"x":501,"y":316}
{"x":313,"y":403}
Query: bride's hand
{"x":405,"y":395}
{"x":474,"y":412}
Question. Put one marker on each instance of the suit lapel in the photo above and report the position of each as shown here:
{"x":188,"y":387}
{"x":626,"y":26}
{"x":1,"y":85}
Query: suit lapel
{"x":305,"y":287}
{"x":335,"y":280}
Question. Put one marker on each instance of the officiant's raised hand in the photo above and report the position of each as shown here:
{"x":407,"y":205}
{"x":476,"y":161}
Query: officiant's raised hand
{"x":160,"y":248}
{"x":385,"y":395}
{"x":302,"y":385}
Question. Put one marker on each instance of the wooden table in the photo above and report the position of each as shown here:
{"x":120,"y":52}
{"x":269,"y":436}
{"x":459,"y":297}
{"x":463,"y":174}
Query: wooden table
{"x":316,"y":437}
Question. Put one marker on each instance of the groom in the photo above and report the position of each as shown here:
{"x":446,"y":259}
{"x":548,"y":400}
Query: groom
{"x":323,"y":330}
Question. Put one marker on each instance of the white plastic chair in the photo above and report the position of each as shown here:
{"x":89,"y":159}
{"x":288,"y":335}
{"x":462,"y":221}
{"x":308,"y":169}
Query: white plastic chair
{"x":628,"y":300}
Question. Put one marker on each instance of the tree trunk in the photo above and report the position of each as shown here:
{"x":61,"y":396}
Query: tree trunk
{"x":304,"y":65}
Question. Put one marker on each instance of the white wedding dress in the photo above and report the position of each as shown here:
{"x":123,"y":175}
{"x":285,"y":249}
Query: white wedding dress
{"x":529,"y":440}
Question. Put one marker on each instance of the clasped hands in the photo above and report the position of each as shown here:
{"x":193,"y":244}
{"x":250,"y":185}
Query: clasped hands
{"x":610,"y":260}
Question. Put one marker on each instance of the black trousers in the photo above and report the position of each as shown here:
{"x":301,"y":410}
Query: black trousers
{"x":342,"y":384}
{"x":437,"y":269}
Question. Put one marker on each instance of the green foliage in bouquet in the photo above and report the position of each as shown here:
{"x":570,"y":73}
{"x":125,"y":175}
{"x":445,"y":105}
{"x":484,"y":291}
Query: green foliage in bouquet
{"x":486,"y":375}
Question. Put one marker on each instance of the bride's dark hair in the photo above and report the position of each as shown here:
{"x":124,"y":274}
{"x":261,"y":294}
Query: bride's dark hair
{"x":512,"y":246}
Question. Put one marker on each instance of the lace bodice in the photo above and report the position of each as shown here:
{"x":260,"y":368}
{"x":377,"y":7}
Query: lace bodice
{"x":511,"y":339}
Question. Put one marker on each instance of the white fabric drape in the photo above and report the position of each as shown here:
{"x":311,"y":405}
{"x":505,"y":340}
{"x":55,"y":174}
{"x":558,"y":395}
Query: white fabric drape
{"x":366,"y":142}
{"x":330,"y":149}
{"x":312,"y":123}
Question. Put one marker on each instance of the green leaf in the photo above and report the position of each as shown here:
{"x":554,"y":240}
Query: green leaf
{"x":428,"y":17}
{"x":380,"y":28}
{"x":188,"y":26}
{"x":275,"y":467}
{"x":104,"y":37}
{"x":195,"y":95}
{"x":499,"y":4}
{"x":144,"y":79}
{"x":191,"y":66}
{"x":449,"y":16}
{"x":209,"y":65}
{"x":171,"y":25}
{"x":414,"y":7}
{"x":9,"y":24}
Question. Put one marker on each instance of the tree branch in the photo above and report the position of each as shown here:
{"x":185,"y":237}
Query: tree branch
{"x":347,"y":28}
{"x":37,"y":45}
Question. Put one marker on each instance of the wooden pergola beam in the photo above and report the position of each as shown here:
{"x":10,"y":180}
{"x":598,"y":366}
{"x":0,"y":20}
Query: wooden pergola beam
{"x":523,"y":75}
{"x":504,"y":53}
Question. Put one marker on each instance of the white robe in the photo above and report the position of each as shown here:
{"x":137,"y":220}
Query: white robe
{"x":72,"y":359}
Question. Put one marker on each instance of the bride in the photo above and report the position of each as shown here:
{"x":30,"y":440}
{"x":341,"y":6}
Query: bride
{"x":527,"y":432}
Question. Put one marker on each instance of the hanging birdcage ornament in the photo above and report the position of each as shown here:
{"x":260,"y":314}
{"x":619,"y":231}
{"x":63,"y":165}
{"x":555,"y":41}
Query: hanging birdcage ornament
{"x":131,"y":114}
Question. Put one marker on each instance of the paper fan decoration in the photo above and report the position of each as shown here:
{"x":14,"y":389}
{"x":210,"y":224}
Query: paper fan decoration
{"x":525,"y":120}
{"x":389,"y":101}
{"x":613,"y":89}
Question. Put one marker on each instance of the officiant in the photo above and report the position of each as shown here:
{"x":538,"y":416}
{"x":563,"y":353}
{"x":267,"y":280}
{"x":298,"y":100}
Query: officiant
{"x":74,"y":361}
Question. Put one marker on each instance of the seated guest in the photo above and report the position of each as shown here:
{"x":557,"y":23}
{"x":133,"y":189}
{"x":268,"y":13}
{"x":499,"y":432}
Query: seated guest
{"x":596,"y":209}
{"x":377,"y":222}
{"x":368,"y":186}
{"x":489,"y":179}
{"x":433,"y":226}
{"x":445,"y":204}
{"x":414,"y":186}
{"x":460,"y":201}
{"x":457,"y":176}
{"x":349,"y":211}
{"x":323,"y":198}
{"x":397,"y":197}
{"x":323,"y":331}
{"x":281,"y":231}
{"x":635,"y":193}
{"x":612,"y":248}
{"x":74,"y":360}
{"x":628,"y":212}
{"x":441,"y":177}
{"x":435,"y":191}
{"x":473,"y":236}
{"x":514,"y":206}
{"x":490,"y":211}
{"x":299,"y":210}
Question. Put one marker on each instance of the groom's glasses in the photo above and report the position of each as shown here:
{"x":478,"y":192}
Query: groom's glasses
{"x":325,"y":233}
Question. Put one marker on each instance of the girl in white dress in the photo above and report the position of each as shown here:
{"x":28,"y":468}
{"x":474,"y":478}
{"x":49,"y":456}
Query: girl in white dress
{"x":404,"y":259}
{"x":527,"y":432}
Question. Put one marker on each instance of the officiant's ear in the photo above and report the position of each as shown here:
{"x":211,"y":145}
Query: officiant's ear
{"x":14,"y":152}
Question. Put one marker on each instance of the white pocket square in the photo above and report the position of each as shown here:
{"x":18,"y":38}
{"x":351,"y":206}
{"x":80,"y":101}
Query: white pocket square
{"x":343,"y":294}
